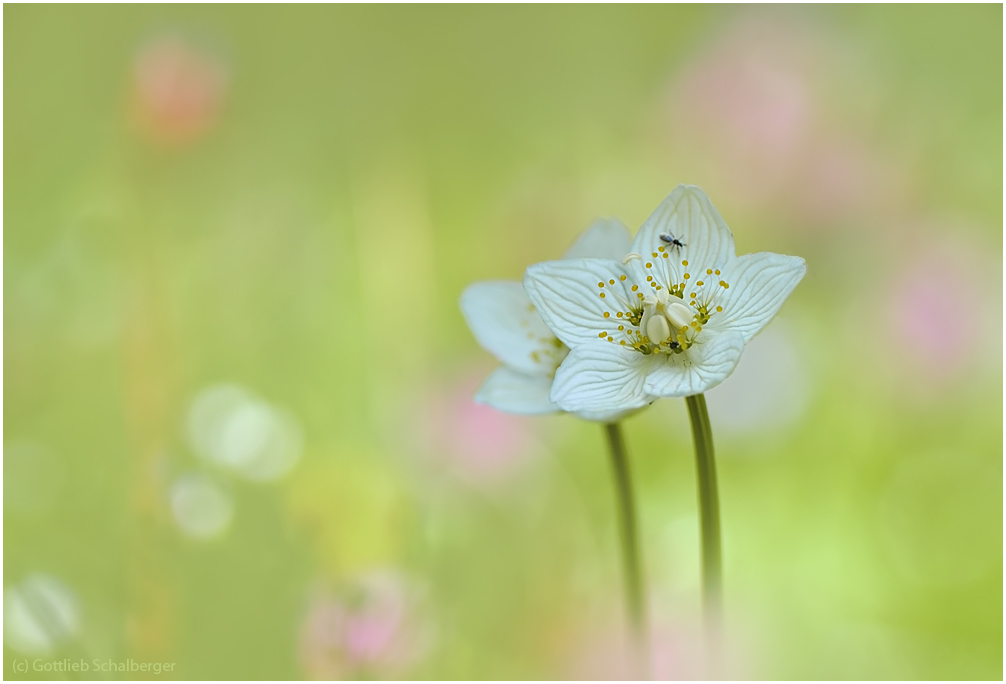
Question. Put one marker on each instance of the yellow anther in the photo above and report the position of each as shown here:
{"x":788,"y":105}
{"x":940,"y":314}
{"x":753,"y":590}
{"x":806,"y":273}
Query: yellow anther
{"x":684,"y":263}
{"x":635,"y":287}
{"x":717,"y":271}
{"x":726,"y":286}
{"x":687,"y":276}
{"x":700,"y":284}
{"x":621,"y":342}
{"x":621,"y":327}
{"x":611,"y":339}
{"x":606,"y":314}
{"x":693,"y":295}
{"x":604,"y":334}
{"x":611,"y":282}
{"x":665,"y":255}
{"x":602,"y":295}
{"x":619,"y":314}
{"x":719,"y":308}
{"x":709,"y":271}
{"x":639,"y":294}
{"x":649,"y":278}
{"x":621,"y":277}
{"x":600,"y":284}
{"x":649,"y":265}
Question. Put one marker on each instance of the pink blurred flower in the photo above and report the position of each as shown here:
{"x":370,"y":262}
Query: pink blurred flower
{"x":747,"y":101}
{"x":178,"y":90}
{"x":600,"y":651}
{"x":937,"y":309}
{"x":474,"y":442}
{"x":753,"y":112}
{"x":374,"y":628}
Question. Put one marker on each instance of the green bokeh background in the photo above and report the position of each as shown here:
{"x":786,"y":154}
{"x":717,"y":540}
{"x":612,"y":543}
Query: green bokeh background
{"x":308,"y":236}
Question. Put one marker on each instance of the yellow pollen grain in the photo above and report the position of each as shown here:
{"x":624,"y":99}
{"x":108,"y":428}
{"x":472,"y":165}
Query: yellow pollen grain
{"x":621,"y":277}
{"x":606,"y":314}
{"x":611,"y":282}
{"x":635,"y":287}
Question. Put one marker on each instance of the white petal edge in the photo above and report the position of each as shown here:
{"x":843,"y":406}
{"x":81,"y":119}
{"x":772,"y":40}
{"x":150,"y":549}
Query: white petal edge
{"x":507,"y":390}
{"x":759,"y":285}
{"x":697,"y":370}
{"x":688,"y":215}
{"x":606,"y":238}
{"x":601,"y":378}
{"x":567,"y":296}
{"x":506,"y":324}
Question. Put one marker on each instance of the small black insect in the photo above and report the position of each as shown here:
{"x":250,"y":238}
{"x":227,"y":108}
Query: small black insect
{"x":671,"y":241}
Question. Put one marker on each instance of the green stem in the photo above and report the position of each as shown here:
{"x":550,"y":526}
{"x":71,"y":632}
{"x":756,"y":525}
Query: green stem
{"x":631,"y":565}
{"x":709,"y":513}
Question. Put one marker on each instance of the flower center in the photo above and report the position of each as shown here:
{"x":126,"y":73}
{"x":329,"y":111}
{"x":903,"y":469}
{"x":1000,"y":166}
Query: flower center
{"x":670,"y":316}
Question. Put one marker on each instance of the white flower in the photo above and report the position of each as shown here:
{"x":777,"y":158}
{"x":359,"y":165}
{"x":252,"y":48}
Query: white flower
{"x":506,"y":324}
{"x":670,"y":320}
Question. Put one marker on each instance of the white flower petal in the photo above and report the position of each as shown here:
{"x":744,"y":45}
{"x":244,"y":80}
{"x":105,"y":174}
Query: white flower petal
{"x":759,"y":285}
{"x":604,"y":239}
{"x":506,"y":324}
{"x":697,"y":370}
{"x":607,"y":416}
{"x":687,"y":215}
{"x":513,"y":392}
{"x":601,"y":377}
{"x":568,"y":296}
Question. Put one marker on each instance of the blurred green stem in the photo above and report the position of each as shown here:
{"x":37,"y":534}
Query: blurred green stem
{"x":709,"y":515}
{"x":631,"y":565}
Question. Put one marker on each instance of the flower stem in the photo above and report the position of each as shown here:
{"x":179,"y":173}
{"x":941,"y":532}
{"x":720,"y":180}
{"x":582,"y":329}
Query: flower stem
{"x":631,"y":564}
{"x":709,"y":517}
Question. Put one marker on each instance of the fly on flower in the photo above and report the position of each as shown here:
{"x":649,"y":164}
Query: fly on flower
{"x":506,"y":324}
{"x":669,"y":320}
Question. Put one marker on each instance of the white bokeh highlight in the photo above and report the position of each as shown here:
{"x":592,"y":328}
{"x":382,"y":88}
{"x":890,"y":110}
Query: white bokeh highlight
{"x":39,"y":615}
{"x":202,"y":509}
{"x":232,"y":428}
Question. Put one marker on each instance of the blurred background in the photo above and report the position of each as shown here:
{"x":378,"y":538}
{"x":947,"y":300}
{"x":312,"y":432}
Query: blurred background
{"x":238,"y":430}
